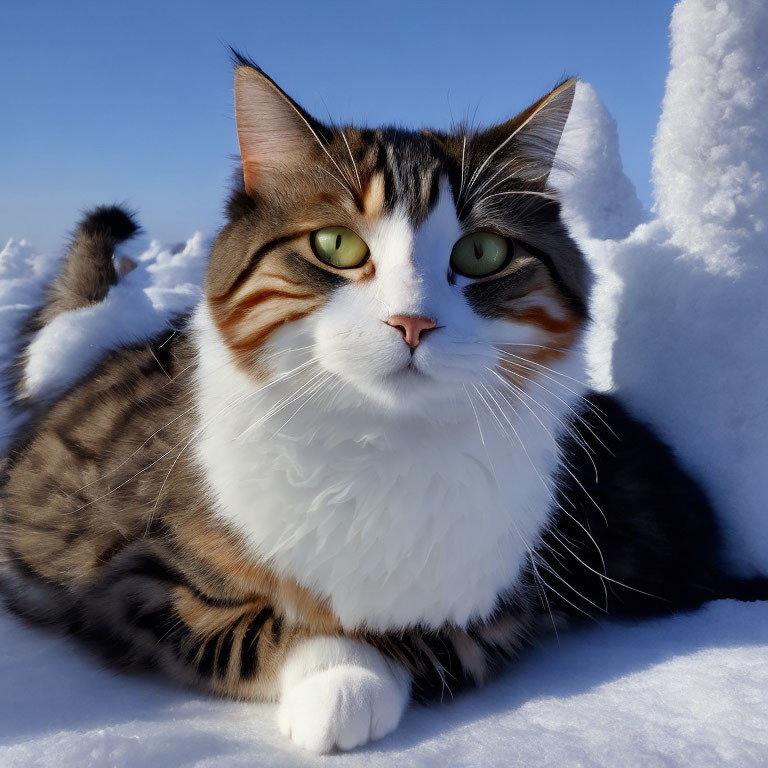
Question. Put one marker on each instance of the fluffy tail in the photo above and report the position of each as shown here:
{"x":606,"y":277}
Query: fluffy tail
{"x":88,"y":269}
{"x":86,"y":275}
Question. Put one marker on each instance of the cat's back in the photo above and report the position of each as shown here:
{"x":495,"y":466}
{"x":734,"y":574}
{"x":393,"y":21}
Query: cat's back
{"x":83,"y":476}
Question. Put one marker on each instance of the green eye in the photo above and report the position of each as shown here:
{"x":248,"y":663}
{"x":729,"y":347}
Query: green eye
{"x":480,"y":254}
{"x":340,"y":247}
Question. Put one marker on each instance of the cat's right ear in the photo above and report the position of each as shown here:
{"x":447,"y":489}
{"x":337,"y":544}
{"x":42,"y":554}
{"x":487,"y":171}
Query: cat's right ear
{"x":276,"y":135}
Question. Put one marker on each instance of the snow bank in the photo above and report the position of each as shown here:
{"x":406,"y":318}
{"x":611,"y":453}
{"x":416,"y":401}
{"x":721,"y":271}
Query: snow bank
{"x":23,"y":276}
{"x":139,"y":307}
{"x":601,"y":202}
{"x":166,"y":283}
{"x":681,"y":313}
{"x":680,"y":331}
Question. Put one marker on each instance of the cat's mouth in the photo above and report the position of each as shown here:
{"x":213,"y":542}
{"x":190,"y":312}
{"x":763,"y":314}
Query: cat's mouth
{"x":408,"y":371}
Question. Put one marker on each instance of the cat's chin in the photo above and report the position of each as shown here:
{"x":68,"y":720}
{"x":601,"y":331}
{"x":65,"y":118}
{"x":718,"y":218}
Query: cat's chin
{"x":405,"y":390}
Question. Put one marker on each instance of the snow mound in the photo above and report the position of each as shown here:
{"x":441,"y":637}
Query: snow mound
{"x":601,"y":202}
{"x":680,"y":332}
{"x":166,"y":283}
{"x":683,"y":316}
{"x":140,"y":306}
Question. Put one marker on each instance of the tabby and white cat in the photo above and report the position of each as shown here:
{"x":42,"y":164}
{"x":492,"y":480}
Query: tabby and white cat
{"x":365,"y":469}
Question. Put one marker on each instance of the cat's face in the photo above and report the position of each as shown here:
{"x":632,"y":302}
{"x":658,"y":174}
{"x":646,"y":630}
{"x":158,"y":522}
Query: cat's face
{"x":409,"y":267}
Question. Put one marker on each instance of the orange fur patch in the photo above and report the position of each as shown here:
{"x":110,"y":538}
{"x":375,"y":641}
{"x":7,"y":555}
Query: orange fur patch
{"x":220,"y":552}
{"x":373,"y":196}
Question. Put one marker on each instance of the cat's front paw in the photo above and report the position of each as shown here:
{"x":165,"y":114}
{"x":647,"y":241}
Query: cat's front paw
{"x":338,"y":692}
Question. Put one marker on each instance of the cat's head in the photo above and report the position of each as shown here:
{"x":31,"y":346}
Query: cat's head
{"x":410,"y":266}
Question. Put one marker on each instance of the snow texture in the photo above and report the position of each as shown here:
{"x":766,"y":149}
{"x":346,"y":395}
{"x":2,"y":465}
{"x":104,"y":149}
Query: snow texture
{"x":684,"y":692}
{"x":681,"y":320}
{"x":680,"y":331}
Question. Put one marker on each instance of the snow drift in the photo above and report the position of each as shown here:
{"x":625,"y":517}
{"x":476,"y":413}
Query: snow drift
{"x":680,"y":331}
{"x":681,"y":312}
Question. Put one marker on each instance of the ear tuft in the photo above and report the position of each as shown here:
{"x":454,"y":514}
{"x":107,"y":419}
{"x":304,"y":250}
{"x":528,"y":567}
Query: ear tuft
{"x":241,"y":60}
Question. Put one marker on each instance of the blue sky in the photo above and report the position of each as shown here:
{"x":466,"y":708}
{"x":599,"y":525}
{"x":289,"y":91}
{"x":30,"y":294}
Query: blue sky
{"x":132,"y":101}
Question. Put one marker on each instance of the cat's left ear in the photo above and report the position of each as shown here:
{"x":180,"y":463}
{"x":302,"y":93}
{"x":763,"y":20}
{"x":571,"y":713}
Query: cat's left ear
{"x":535,"y":133}
{"x":276,"y":135}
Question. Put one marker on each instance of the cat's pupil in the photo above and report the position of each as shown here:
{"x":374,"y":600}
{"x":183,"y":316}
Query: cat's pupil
{"x":478,"y":250}
{"x":338,"y":242}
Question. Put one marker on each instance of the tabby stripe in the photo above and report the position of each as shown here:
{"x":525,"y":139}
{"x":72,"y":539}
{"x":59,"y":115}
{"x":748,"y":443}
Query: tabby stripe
{"x":380,"y":161}
{"x":277,"y":629}
{"x":151,"y":567}
{"x":254,"y":299}
{"x":257,"y":257}
{"x":249,"y":661}
{"x":208,"y":658}
{"x":257,"y":338}
{"x":75,"y":447}
{"x":24,"y":568}
{"x":225,"y":648}
{"x":390,"y":187}
{"x":261,"y":280}
{"x":193,"y":651}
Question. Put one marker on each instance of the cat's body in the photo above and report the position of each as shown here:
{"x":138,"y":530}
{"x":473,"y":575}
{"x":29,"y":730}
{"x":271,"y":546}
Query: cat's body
{"x":284,"y":500}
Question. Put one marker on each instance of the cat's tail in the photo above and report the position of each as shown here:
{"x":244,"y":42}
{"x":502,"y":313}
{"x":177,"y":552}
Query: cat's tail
{"x":87,"y":272}
{"x":89,"y":269}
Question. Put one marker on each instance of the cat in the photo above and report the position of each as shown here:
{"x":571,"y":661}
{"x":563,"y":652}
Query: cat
{"x":365,"y":469}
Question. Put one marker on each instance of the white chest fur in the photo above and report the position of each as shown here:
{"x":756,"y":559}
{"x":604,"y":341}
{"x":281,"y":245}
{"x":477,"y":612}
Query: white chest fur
{"x":397,"y":520}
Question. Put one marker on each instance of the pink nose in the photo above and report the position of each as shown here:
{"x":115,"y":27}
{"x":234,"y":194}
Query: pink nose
{"x":412,"y":327}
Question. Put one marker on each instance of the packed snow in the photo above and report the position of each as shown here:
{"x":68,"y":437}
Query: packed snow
{"x":680,"y":331}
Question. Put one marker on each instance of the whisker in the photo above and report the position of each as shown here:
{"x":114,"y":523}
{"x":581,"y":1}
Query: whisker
{"x":336,"y":179}
{"x":554,"y":500}
{"x":537,"y":580}
{"x":354,"y":164}
{"x":574,"y":413}
{"x":527,"y":193}
{"x":160,"y":458}
{"x":541,"y":479}
{"x":279,"y":406}
{"x":463,"y":157}
{"x":307,"y":398}
{"x":322,"y":145}
{"x":520,"y":362}
{"x":506,"y":141}
{"x":482,"y":437}
{"x":602,"y":575}
{"x":549,"y":569}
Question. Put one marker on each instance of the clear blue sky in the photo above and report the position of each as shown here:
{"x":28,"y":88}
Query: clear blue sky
{"x":132,"y":101}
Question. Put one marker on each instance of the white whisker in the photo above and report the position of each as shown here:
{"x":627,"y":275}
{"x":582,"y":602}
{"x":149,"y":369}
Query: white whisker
{"x":354,"y":164}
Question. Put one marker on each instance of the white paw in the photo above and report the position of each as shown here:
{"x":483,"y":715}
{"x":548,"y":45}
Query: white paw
{"x":338,"y":692}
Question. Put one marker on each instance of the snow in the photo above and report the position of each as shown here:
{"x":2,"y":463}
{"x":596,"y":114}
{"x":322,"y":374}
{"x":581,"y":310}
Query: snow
{"x":601,"y":202}
{"x":681,"y":313}
{"x":680,"y":330}
{"x":166,"y":283}
{"x":687,"y":691}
